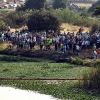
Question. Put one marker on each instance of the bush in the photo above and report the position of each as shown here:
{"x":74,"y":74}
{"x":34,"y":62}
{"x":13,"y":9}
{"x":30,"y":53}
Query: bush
{"x":16,"y":59}
{"x":95,"y":27}
{"x":72,"y":60}
{"x":60,"y":4}
{"x":3,"y":26}
{"x":97,"y":64}
{"x":15,"y":19}
{"x":92,"y":78}
{"x":77,"y":61}
{"x":92,"y":8}
{"x":43,"y":20}
{"x":74,"y":17}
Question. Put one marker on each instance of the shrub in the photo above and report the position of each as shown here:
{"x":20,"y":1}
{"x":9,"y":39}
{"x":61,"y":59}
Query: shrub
{"x":88,"y":62}
{"x":93,"y":79}
{"x":15,"y":59}
{"x":92,"y":8}
{"x":15,"y":19}
{"x":85,"y":79}
{"x":34,"y":4}
{"x":97,"y":64}
{"x":60,"y":4}
{"x":21,"y":8}
{"x":43,"y":20}
{"x":3,"y":26}
{"x":73,"y":17}
{"x":79,"y":61}
{"x":95,"y":27}
{"x":72,"y":60}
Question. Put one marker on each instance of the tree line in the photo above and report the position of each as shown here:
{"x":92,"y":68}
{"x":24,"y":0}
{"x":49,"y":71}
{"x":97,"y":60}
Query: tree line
{"x":40,"y":15}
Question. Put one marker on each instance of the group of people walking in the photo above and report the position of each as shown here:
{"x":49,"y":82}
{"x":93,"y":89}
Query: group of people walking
{"x":46,"y":39}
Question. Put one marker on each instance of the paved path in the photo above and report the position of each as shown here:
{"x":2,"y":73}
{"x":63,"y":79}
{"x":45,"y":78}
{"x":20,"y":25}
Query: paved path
{"x":9,"y":93}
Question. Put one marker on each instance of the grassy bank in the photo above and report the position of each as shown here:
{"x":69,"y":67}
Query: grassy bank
{"x":40,"y":69}
{"x":62,"y":90}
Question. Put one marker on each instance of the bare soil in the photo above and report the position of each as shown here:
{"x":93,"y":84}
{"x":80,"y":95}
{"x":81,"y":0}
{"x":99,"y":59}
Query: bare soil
{"x":50,"y":54}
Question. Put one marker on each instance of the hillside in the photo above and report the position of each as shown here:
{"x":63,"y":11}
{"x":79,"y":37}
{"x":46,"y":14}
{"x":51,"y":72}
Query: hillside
{"x":65,"y":27}
{"x":71,"y":28}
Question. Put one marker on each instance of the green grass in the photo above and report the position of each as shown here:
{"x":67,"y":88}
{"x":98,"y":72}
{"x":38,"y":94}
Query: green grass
{"x":42,"y":69}
{"x":62,"y":90}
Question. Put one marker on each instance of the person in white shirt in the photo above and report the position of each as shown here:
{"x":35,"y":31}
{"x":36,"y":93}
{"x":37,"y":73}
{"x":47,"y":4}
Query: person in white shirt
{"x":3,"y":36}
{"x":95,"y":55}
{"x":77,"y":49}
{"x":8,"y":28}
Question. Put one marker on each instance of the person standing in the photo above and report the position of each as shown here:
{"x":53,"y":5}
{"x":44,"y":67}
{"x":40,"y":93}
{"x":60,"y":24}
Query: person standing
{"x":94,"y":47}
{"x":77,"y":49}
{"x":74,"y":48}
{"x":95,"y":55}
{"x":8,"y":28}
{"x":94,"y":52}
{"x":41,"y":44}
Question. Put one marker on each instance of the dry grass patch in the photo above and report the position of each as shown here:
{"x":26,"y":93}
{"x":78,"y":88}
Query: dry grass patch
{"x":84,"y":5}
{"x":65,"y":27}
{"x":4,"y":45}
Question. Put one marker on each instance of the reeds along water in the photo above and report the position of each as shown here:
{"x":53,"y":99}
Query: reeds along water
{"x":93,"y":77}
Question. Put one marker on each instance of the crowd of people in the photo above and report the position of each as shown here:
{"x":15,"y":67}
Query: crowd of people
{"x":62,"y":42}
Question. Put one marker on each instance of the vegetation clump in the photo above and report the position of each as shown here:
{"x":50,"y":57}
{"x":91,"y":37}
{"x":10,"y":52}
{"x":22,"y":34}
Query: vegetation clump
{"x":60,"y":4}
{"x":15,"y":19}
{"x":77,"y":61}
{"x":3,"y":25}
{"x":32,"y":5}
{"x":43,"y":20}
{"x":94,"y":28}
{"x":91,"y":80}
{"x":92,"y":8}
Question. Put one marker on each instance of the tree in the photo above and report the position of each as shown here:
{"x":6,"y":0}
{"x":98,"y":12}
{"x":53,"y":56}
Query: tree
{"x":97,"y":11}
{"x":92,"y":8}
{"x":3,"y":25}
{"x":59,"y":4}
{"x":15,"y":19}
{"x":94,"y":28}
{"x":48,"y":6}
{"x":34,"y":4}
{"x":43,"y":20}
